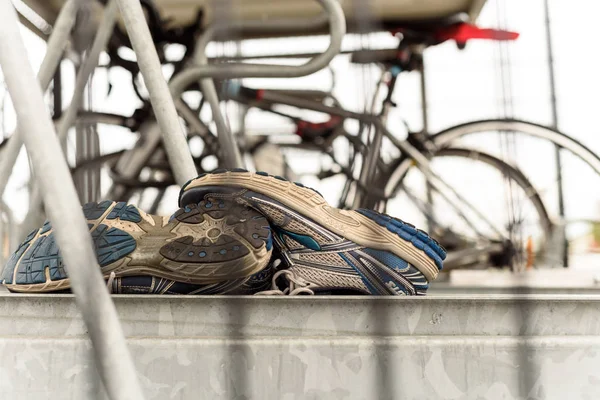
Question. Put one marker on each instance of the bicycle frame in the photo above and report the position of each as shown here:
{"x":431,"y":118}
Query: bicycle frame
{"x":457,"y":201}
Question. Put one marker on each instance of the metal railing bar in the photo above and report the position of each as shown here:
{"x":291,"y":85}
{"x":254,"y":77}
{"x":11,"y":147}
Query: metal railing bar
{"x":337,"y":26}
{"x":67,"y":120}
{"x":112,"y":357}
{"x":230,"y":152}
{"x":57,"y":43}
{"x":174,"y":140}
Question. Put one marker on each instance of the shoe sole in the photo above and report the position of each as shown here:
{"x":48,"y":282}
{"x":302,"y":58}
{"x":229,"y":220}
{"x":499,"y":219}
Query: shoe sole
{"x":203,"y":243}
{"x":364,"y":227}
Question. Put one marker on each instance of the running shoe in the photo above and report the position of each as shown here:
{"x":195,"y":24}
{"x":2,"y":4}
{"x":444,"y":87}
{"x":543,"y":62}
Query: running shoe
{"x":205,"y":243}
{"x":328,"y":250}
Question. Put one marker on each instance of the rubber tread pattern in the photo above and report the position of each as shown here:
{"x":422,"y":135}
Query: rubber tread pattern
{"x":42,"y":254}
{"x":418,"y":238}
{"x":111,"y":244}
{"x":245,"y":221}
{"x":125,"y":212}
{"x":39,"y":262}
{"x":9,"y":268}
{"x":93,"y":211}
{"x":46,"y":227}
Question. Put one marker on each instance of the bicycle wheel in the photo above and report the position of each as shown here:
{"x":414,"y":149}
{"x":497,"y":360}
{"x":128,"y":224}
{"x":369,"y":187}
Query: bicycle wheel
{"x":450,"y":136}
{"x":532,"y":149}
{"x":488,"y":183}
{"x":567,"y":191}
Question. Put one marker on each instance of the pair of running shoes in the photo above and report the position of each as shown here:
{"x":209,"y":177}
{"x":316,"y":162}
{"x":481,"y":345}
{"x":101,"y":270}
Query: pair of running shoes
{"x":239,"y":232}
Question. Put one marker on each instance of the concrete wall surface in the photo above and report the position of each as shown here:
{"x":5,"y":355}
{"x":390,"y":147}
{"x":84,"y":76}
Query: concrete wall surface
{"x":438,"y":347}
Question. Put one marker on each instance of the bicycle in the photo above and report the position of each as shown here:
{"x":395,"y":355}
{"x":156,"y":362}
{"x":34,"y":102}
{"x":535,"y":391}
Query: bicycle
{"x":391,"y":176}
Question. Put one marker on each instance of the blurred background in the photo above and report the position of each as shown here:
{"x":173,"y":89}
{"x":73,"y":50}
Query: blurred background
{"x":474,"y":120}
{"x":478,"y":80}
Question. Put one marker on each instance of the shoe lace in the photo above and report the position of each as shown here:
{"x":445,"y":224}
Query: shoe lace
{"x":296,"y":285}
{"x":109,"y":283}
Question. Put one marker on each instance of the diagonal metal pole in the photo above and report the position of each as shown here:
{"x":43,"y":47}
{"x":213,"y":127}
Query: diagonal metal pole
{"x":105,"y":31}
{"x":6,"y":227}
{"x":232,"y":157}
{"x":67,"y":120}
{"x":174,"y":140}
{"x":112,"y":357}
{"x":230,"y":152}
{"x":133,"y":164}
{"x":557,"y":153}
{"x":175,"y":144}
{"x":55,"y":48}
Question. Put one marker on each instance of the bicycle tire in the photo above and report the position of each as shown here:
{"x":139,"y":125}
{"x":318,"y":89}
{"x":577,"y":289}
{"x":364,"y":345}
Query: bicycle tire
{"x":403,"y":166}
{"x":493,"y":161}
{"x":446,"y":137}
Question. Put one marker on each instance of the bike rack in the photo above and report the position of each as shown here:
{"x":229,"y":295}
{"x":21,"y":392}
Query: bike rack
{"x":232,"y":157}
{"x":113,"y":360}
{"x":162,"y":102}
{"x":337,"y":28}
{"x":334,"y":16}
{"x":164,"y":108}
{"x":103,"y":35}
{"x":57,"y":43}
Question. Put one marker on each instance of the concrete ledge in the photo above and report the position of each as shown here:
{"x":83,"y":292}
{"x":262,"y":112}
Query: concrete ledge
{"x":179,"y":316}
{"x":315,"y":368}
{"x":488,"y":347}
